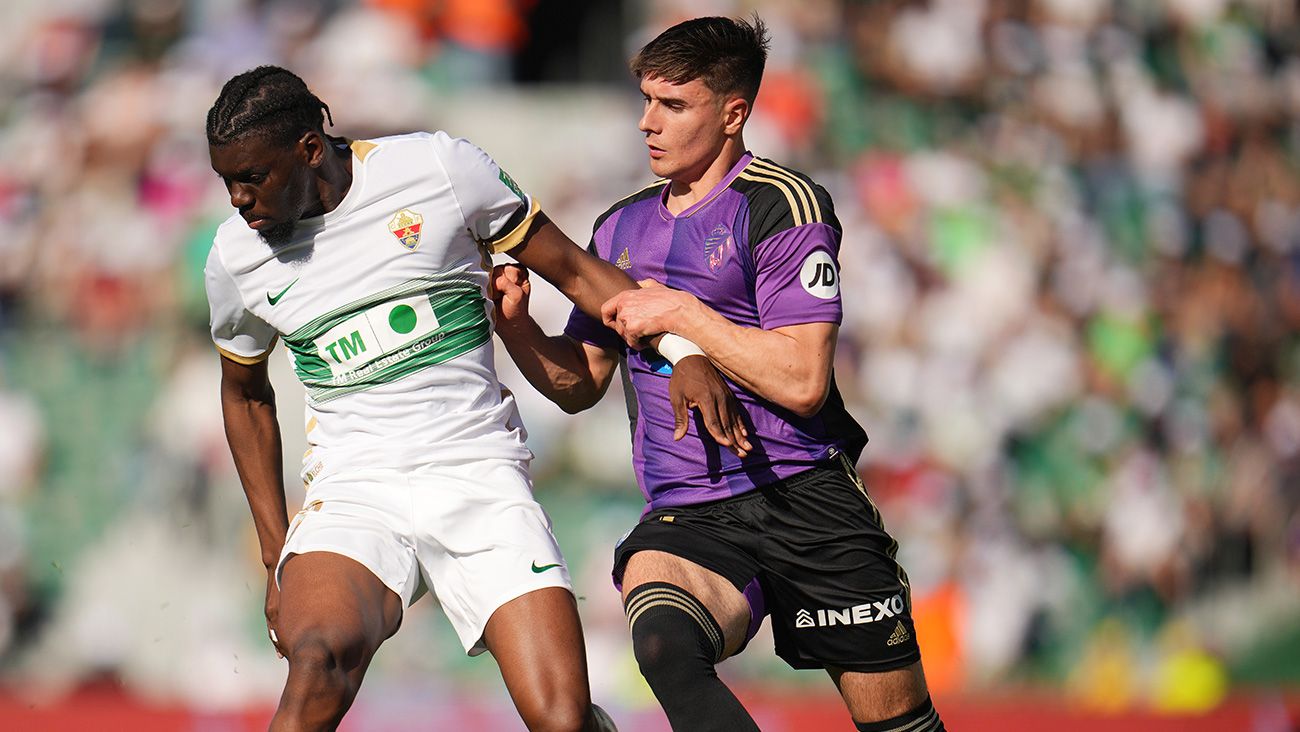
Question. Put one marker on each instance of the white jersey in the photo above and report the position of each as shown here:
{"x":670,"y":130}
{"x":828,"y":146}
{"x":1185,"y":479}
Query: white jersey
{"x":382,"y":305}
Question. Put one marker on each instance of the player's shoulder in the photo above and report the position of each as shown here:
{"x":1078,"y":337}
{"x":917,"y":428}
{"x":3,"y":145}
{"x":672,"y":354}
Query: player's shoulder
{"x":233,"y":235}
{"x":440,"y":141}
{"x":782,"y":198}
{"x":401,"y":146}
{"x":236,"y":250}
{"x":653,"y":191}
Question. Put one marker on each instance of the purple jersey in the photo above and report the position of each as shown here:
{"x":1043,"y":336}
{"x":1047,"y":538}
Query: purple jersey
{"x":760,"y":250}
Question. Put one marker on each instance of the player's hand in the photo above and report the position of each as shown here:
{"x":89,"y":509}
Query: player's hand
{"x":638,"y":315}
{"x":510,"y":290}
{"x":696,"y":384}
{"x":273,"y":610}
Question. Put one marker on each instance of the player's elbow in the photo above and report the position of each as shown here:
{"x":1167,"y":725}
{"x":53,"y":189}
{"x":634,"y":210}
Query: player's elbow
{"x":807,"y":398}
{"x":573,"y":406}
{"x":574,"y":400}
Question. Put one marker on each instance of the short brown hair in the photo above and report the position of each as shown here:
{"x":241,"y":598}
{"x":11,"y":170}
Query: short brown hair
{"x":727,"y":54}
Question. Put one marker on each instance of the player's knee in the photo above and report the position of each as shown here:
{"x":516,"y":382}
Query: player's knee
{"x":652,"y":648}
{"x":559,"y":714}
{"x":673,"y":635}
{"x":322,"y":652}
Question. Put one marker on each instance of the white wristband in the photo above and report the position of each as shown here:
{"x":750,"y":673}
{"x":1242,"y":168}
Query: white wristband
{"x":674,"y":348}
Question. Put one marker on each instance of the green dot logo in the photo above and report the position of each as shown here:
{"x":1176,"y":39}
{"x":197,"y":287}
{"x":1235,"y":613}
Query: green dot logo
{"x":402,"y":319}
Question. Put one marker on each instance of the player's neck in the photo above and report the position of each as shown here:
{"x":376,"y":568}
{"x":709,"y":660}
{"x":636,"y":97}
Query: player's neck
{"x":695,"y":185}
{"x":334,"y":177}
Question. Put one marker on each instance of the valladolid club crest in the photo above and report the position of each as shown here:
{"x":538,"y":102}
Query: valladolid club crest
{"x":716,"y":247}
{"x":405,"y":225}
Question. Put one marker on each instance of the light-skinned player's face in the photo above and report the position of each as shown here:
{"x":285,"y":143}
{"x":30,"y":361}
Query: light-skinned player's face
{"x":270,"y":185}
{"x":686,"y":126}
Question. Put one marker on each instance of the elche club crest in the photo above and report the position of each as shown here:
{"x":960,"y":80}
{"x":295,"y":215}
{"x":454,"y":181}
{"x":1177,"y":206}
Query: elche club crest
{"x":406,"y":225}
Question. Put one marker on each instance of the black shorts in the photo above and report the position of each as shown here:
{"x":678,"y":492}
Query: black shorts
{"x":816,"y":544}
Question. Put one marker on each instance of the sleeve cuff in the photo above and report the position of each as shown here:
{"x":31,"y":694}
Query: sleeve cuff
{"x":248,"y":360}
{"x":510,"y":240}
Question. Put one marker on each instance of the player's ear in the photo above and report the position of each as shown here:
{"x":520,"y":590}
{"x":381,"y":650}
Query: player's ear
{"x":734,"y":113}
{"x":311,"y":146}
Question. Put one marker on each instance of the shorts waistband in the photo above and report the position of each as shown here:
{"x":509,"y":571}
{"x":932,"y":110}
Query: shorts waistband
{"x":835,"y":463}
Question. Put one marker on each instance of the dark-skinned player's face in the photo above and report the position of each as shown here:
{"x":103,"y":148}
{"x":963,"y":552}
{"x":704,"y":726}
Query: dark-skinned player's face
{"x":271,"y":185}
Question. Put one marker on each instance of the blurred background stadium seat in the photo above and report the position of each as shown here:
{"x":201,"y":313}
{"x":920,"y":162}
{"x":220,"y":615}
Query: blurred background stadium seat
{"x":1072,"y":273}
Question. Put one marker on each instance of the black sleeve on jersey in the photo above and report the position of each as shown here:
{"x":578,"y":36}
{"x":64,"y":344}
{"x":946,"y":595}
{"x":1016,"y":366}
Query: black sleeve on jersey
{"x":650,"y":191}
{"x":781,"y":199}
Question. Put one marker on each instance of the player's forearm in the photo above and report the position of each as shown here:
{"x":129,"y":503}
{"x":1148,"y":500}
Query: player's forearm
{"x":593,"y":281}
{"x":254,"y":437}
{"x":766,"y":363}
{"x":556,"y":366}
{"x":587,"y":281}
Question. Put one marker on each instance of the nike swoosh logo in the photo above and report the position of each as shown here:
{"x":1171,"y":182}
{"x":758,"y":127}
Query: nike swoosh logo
{"x":543,"y":568}
{"x":276,"y":298}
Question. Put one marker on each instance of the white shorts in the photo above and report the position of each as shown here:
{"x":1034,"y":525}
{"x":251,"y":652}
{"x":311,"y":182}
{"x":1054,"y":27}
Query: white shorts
{"x":471,"y":532}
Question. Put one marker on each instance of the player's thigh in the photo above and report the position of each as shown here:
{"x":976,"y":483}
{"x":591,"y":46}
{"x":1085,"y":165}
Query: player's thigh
{"x":327,"y":597}
{"x":728,"y":605}
{"x":837,"y":596}
{"x":536,"y":639}
{"x":483,"y":542}
{"x":881,"y":695}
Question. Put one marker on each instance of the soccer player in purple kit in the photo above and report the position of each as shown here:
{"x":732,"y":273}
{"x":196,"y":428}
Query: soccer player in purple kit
{"x":746,"y":253}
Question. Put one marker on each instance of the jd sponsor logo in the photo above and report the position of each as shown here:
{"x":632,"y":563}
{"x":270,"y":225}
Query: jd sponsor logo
{"x":867,"y":612}
{"x":819,"y":276}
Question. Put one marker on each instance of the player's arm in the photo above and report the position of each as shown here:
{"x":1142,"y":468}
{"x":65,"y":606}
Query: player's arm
{"x":789,"y":366}
{"x":575,"y":374}
{"x":587,"y":281}
{"x":505,"y":220}
{"x":248,"y":411}
{"x":572,"y":374}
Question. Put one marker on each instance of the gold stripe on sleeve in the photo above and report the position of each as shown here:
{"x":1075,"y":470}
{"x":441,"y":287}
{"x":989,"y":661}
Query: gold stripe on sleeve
{"x":516,"y":235}
{"x":800,"y":185}
{"x":796,"y":211}
{"x":248,"y":360}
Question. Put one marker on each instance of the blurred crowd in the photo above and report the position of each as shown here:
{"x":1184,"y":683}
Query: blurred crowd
{"x":1071,"y":269}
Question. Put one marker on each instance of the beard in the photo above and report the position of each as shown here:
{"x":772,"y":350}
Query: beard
{"x":278,"y":235}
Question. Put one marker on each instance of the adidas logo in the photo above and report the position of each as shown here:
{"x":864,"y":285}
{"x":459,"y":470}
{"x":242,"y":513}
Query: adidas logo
{"x":624,"y":260}
{"x":899,"y":635}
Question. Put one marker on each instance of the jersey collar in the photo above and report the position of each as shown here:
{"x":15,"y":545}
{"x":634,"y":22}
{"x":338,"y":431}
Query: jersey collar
{"x":706,"y":200}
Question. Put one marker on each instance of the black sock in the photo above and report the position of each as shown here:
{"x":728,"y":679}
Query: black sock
{"x":922,"y":719}
{"x":677,"y":642}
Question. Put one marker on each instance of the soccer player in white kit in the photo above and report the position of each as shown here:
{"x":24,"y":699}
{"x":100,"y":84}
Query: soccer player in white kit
{"x":370,"y":260}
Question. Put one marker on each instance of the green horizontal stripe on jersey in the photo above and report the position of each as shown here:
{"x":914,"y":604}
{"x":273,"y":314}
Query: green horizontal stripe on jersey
{"x":462,"y":325}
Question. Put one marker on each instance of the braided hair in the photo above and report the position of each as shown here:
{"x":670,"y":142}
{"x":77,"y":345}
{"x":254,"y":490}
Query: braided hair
{"x":267,"y":101}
